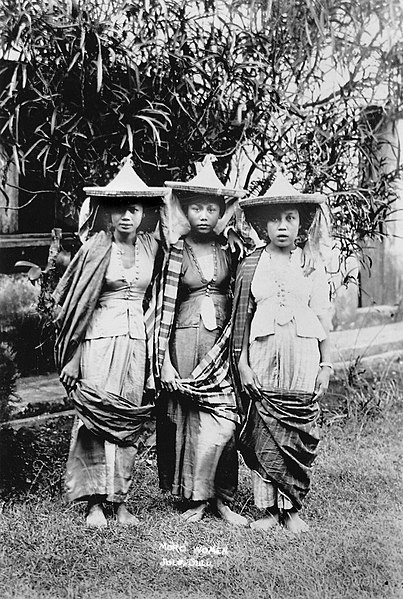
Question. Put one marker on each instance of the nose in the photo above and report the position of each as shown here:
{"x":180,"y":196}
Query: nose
{"x":283,"y":223}
{"x":127,"y":215}
{"x":203,"y":214}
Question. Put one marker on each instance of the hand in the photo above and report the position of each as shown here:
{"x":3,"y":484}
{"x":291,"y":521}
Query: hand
{"x":169,"y":376}
{"x":70,"y":374}
{"x":322,"y":382}
{"x":250,"y":382}
{"x":235,"y":243}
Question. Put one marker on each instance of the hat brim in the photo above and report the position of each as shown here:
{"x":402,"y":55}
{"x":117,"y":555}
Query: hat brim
{"x":217,"y":191}
{"x":100,"y":192}
{"x":302,"y":198}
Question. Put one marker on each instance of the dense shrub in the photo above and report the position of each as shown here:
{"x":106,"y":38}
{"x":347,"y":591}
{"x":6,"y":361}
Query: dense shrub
{"x":23,"y":328}
{"x":8,"y":380}
{"x":33,"y":459}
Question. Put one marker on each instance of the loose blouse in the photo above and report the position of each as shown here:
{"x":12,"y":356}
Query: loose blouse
{"x":282,"y":293}
{"x":119,"y":310}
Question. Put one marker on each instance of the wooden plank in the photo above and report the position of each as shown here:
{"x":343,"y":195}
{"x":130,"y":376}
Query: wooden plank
{"x":27,"y":240}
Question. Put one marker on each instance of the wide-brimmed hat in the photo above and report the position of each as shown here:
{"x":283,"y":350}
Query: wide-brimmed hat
{"x":205,"y":182}
{"x":281,"y":192}
{"x":126,"y":184}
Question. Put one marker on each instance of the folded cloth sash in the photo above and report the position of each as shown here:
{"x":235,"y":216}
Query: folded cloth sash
{"x":279,"y":440}
{"x":108,"y":415}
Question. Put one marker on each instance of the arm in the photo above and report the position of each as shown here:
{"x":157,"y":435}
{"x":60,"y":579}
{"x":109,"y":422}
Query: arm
{"x":168,"y":373}
{"x":71,"y":371}
{"x":322,"y":380}
{"x":250,"y":382}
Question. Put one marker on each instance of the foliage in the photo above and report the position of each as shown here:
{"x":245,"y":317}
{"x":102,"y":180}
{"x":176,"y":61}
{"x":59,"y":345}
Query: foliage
{"x":279,"y":81}
{"x":33,"y":458}
{"x":8,"y":380}
{"x":29,"y":334}
{"x":17,"y":297}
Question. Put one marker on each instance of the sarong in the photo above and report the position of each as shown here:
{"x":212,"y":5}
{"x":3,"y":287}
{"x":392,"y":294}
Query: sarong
{"x":280,"y":435}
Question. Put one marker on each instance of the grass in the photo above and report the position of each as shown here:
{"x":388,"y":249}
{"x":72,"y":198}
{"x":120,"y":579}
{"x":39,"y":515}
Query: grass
{"x":353,"y":550}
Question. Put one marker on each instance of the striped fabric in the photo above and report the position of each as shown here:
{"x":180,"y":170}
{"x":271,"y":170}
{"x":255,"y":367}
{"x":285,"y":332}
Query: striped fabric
{"x":243,"y":284}
{"x":279,"y":440}
{"x":209,"y":385}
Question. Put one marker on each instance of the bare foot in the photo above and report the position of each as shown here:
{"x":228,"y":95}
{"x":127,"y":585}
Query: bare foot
{"x":96,"y":517}
{"x":265,"y":524}
{"x":230,"y":516}
{"x":123,"y":516}
{"x":195,"y":514}
{"x":294,"y":523}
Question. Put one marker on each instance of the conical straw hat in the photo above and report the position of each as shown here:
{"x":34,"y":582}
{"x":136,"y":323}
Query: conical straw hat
{"x":282,"y":192}
{"x":206,"y":182}
{"x":127,"y":183}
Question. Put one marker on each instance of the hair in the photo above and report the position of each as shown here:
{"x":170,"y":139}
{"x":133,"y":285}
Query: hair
{"x":189,"y":198}
{"x":258,"y":217}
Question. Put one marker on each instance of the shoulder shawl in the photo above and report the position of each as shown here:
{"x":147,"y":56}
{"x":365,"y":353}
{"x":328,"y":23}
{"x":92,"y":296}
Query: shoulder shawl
{"x":243,"y":284}
{"x":77,"y":294}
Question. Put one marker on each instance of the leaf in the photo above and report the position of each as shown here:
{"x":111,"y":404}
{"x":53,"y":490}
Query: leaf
{"x":60,"y":169}
{"x":99,"y":66}
{"x":25,"y":263}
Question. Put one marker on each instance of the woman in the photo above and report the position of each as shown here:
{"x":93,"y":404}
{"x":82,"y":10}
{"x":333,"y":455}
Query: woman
{"x":280,"y":351}
{"x":196,"y":412}
{"x":101,"y":345}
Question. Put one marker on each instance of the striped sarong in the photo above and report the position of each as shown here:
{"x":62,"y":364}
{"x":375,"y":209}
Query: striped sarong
{"x":108,"y":415}
{"x":279,"y":440}
{"x":209,"y":385}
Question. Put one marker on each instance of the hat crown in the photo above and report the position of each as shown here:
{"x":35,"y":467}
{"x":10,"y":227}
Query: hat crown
{"x":127,"y":179}
{"x":281,"y":187}
{"x":206,"y":176}
{"x":205,"y":182}
{"x":126,"y":183}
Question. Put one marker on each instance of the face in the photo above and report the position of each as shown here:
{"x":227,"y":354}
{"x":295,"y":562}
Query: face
{"x":126,"y":218}
{"x":203,"y":215}
{"x":283,"y":227}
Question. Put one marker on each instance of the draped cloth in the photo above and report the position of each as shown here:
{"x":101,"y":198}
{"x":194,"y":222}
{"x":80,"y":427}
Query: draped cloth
{"x":209,"y":386}
{"x":278,"y":439}
{"x":77,"y":293}
{"x":108,"y":415}
{"x":197,"y":457}
{"x":109,"y":398}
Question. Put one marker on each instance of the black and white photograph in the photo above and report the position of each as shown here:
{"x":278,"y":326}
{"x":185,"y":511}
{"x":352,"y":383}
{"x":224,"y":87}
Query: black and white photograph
{"x":201,"y":299}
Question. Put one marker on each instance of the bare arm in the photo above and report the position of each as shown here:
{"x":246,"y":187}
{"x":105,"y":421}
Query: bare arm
{"x":71,"y":371}
{"x":322,"y":380}
{"x":168,"y":373}
{"x":250,"y":382}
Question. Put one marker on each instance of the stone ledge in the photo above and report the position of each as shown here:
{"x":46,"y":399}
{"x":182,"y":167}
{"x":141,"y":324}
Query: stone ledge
{"x":366,"y":341}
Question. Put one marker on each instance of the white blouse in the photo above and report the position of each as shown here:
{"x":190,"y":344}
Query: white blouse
{"x":282,"y":293}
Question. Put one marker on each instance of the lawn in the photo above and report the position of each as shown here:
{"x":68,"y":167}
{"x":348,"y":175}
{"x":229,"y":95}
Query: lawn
{"x":353,"y":550}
